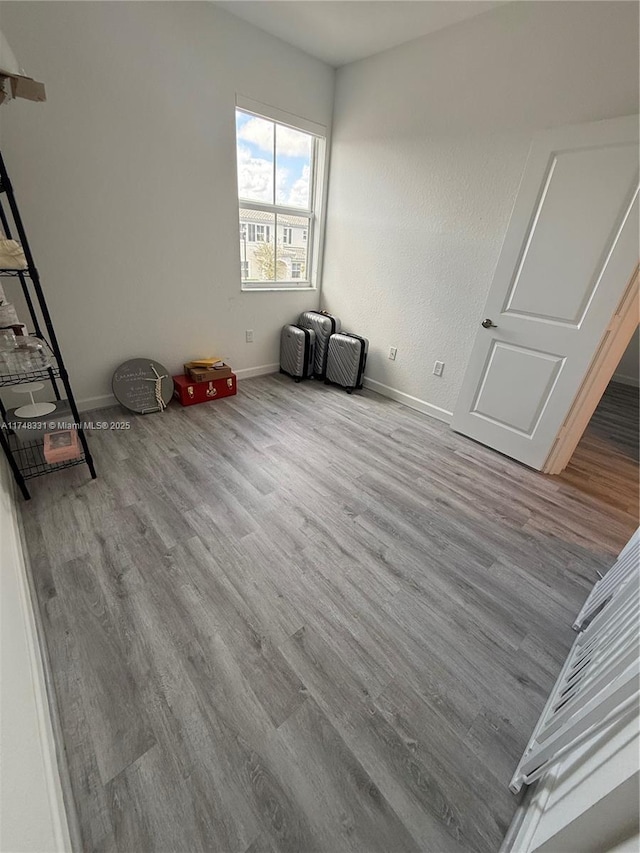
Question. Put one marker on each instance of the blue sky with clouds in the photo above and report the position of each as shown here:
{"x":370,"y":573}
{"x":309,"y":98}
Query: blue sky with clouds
{"x":255,"y":139}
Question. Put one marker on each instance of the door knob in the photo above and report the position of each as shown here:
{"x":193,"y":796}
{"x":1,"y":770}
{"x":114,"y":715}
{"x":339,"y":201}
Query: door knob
{"x":488,"y":324}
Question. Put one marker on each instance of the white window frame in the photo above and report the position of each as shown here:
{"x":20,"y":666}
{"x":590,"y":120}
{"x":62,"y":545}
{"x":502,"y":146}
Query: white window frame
{"x":317,"y":192}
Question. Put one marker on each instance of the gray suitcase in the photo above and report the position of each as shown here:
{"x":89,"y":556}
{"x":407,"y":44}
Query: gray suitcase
{"x":324,"y":325}
{"x":347,"y":358}
{"x":297,"y":351}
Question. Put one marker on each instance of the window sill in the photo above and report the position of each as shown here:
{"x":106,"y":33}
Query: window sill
{"x":304,"y":289}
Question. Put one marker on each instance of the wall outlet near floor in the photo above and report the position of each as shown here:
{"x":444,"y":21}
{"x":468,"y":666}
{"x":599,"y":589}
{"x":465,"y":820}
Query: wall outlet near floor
{"x":248,"y":336}
{"x":438,"y":367}
{"x":393,"y":352}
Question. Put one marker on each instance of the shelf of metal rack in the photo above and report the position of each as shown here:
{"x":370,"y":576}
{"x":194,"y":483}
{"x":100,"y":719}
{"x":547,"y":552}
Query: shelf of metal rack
{"x":4,"y":273}
{"x":29,"y":456}
{"x":43,"y":375}
{"x":26,"y":459}
{"x":22,"y":377}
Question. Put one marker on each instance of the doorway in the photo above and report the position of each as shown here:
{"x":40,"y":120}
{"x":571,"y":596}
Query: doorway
{"x":615,"y":348}
{"x":569,"y":251}
{"x":605,"y":462}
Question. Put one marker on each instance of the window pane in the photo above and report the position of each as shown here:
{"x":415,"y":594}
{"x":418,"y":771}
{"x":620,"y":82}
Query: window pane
{"x":293,"y":167}
{"x":291,"y":248}
{"x":255,"y":140}
{"x":257,"y":245}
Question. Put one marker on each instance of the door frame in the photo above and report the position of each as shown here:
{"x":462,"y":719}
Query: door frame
{"x":601,"y":301}
{"x":607,"y":356}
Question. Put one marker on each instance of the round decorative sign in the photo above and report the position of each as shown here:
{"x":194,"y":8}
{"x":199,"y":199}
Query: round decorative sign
{"x":142,"y":385}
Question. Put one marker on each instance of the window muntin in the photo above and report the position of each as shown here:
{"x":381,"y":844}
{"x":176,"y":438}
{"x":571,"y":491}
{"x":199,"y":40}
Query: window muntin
{"x":277,"y":169}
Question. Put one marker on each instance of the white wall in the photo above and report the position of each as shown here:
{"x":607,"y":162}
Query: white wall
{"x":589,"y":801}
{"x":126,"y":177}
{"x":31,"y":809}
{"x":628,"y":370}
{"x":629,"y":845}
{"x":429,"y":143}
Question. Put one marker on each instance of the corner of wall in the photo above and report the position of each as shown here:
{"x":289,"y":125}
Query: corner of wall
{"x":32,"y":812}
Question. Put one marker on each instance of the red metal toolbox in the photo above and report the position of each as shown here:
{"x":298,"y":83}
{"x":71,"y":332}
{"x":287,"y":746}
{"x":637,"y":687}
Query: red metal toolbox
{"x":188,"y":392}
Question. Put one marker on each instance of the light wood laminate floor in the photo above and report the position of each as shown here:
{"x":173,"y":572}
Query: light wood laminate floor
{"x":297,"y":620}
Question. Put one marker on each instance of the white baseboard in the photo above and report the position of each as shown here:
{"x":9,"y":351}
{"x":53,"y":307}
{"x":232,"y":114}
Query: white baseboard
{"x":89,"y":403}
{"x":408,"y":400}
{"x":262,"y":370}
{"x":102,"y":402}
{"x":626,"y":380}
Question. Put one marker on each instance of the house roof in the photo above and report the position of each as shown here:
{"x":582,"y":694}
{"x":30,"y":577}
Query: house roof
{"x":247,"y":215}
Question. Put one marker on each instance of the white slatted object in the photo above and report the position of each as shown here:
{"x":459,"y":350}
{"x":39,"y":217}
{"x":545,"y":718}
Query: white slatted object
{"x":612,"y":582}
{"x":600,"y":680}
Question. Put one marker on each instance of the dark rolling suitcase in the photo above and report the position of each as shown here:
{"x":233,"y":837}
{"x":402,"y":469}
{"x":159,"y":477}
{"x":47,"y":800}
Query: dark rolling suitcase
{"x":346,"y":361}
{"x":324,"y":325}
{"x":297,"y":351}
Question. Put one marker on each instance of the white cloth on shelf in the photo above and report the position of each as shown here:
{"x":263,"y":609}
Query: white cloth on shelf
{"x":11,"y":255}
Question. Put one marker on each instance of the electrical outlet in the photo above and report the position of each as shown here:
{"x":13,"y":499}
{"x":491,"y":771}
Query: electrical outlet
{"x":248,"y":336}
{"x":438,"y":367}
{"x":393,"y":352}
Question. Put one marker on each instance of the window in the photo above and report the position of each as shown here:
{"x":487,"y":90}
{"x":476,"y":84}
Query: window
{"x":279,"y":200}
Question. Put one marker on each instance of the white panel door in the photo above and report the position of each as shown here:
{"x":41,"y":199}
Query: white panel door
{"x":569,"y":252}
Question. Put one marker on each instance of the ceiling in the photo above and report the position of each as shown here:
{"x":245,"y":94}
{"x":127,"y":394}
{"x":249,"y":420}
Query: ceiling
{"x":341,"y":31}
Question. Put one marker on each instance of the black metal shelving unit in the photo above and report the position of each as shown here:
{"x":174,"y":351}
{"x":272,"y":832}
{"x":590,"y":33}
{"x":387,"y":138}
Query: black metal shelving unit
{"x":26,"y":458}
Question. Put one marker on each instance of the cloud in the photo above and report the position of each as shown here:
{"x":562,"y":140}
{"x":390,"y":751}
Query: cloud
{"x":292,"y":143}
{"x":259,"y":132}
{"x":289,"y":142}
{"x":255,"y":176}
{"x":299,"y":195}
{"x":282,"y":185}
{"x":255,"y":181}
